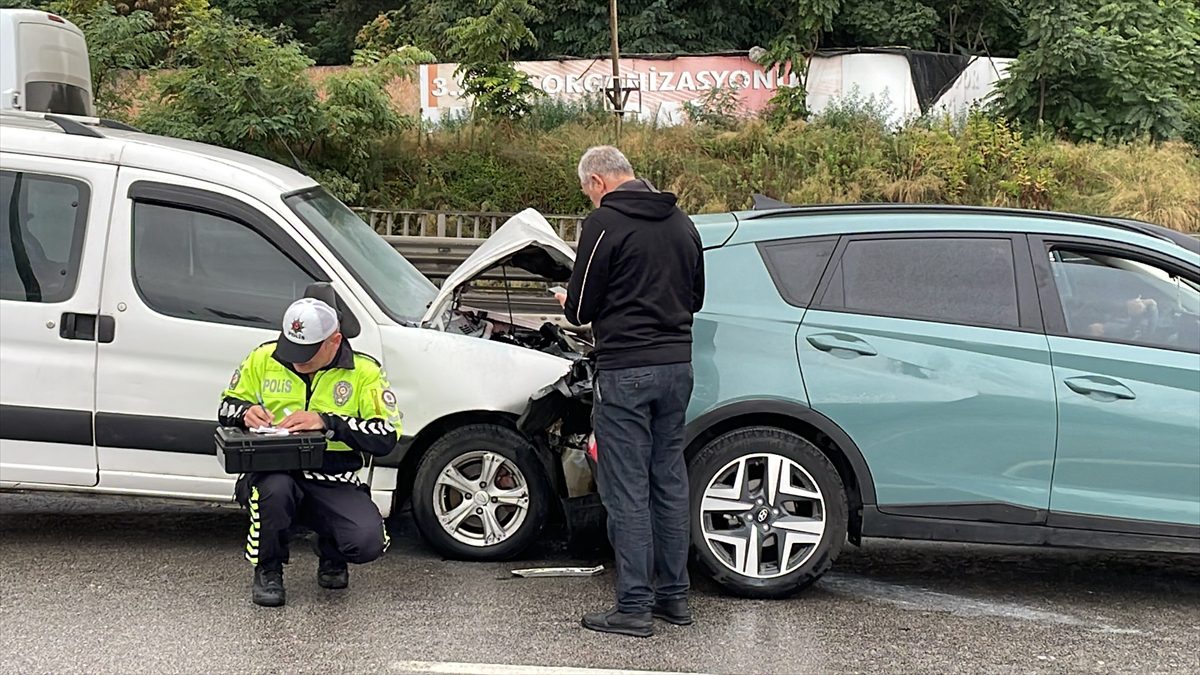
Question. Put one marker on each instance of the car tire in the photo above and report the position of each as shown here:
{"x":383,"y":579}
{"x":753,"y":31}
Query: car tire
{"x":435,"y":500}
{"x":718,"y":524}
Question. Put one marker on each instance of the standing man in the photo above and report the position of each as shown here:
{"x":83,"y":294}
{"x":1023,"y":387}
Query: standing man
{"x":311,"y":380}
{"x":639,"y":279}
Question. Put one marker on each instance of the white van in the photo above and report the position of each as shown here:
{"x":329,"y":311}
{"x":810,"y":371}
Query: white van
{"x":43,"y":64}
{"x":137,"y":271}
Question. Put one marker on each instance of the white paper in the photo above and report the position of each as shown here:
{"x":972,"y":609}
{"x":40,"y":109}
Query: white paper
{"x":269,"y":431}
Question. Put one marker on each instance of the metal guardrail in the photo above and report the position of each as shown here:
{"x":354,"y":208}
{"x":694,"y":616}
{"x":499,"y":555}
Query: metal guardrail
{"x":437,"y":257}
{"x":455,"y":224}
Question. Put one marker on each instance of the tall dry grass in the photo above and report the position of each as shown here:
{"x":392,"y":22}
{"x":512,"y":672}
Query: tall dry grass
{"x":846,"y":156}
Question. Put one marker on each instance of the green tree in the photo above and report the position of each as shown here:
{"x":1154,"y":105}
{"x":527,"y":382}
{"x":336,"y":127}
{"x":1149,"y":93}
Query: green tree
{"x":990,"y":27}
{"x":239,"y":89}
{"x":424,"y":25}
{"x":331,"y":39}
{"x":908,"y":23}
{"x":1105,"y":70}
{"x":357,"y":113}
{"x":581,"y":27}
{"x":803,"y":23}
{"x":484,"y":46}
{"x":235,"y":88}
{"x":326,"y":42}
{"x":118,"y":46}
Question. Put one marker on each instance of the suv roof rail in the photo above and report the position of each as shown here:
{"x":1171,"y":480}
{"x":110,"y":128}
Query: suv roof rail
{"x":1188,"y":241}
{"x":1157,"y":231}
{"x":761,"y":202}
{"x":73,"y":128}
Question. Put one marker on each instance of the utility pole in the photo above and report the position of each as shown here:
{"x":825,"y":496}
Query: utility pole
{"x":617,"y":93}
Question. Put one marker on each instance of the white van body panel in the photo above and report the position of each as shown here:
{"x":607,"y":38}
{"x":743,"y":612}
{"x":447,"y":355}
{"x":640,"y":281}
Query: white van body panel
{"x":172,"y":368}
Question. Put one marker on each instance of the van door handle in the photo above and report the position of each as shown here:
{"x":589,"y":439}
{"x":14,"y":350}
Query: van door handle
{"x":1099,"y":388}
{"x":90,"y":327}
{"x":834,"y":342}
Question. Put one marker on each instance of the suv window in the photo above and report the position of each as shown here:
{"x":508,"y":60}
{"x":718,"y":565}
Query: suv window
{"x":1112,"y":297}
{"x":200,"y":266}
{"x":796,"y":266}
{"x":969,"y":280}
{"x":43,"y":220}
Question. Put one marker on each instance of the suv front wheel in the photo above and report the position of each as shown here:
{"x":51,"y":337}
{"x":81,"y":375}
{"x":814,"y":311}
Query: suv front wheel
{"x":769,"y":512}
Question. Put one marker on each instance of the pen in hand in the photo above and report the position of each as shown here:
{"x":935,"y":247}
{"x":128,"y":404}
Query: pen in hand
{"x":267,"y":413}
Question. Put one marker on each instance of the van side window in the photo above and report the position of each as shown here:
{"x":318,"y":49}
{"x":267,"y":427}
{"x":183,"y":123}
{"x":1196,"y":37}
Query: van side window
{"x":194,"y":265}
{"x":43,"y":220}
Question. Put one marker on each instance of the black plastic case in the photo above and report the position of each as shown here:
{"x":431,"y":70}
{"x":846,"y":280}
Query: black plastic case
{"x":243,"y":452}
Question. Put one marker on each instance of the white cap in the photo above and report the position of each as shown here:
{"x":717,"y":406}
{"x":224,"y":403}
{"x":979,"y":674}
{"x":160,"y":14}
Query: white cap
{"x":306,"y":324}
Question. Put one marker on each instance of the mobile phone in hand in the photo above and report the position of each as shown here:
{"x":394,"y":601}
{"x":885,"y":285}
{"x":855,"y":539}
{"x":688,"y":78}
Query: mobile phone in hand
{"x":556,"y":290}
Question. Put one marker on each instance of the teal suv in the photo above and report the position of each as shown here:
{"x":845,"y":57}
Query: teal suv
{"x":937,"y":373}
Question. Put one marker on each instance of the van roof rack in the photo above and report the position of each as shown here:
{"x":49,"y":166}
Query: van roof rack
{"x":73,"y":128}
{"x":113,"y":124}
{"x":74,"y":125}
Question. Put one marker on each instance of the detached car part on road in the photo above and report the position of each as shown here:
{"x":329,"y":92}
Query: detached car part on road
{"x":913,"y":372}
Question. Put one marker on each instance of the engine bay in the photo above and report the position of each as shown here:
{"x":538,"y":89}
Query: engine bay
{"x":551,"y":338}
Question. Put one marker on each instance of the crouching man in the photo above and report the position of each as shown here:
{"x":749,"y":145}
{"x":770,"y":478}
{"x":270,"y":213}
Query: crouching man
{"x":311,"y":380}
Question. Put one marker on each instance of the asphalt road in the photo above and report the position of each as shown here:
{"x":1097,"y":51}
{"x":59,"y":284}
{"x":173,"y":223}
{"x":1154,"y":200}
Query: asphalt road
{"x":100,"y":585}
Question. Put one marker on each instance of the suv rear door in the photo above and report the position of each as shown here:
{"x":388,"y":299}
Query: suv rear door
{"x":1124,"y":335}
{"x":53,"y":226}
{"x":927,"y":349}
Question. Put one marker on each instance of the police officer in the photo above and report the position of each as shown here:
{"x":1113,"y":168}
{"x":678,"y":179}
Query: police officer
{"x":311,"y":380}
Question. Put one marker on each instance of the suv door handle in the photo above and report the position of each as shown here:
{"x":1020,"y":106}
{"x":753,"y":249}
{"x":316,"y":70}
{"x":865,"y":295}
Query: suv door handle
{"x":90,"y":327}
{"x":1099,"y":388}
{"x":829,"y":342}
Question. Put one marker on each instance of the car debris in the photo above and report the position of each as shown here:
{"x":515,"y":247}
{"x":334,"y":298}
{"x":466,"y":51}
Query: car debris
{"x":536,"y":572}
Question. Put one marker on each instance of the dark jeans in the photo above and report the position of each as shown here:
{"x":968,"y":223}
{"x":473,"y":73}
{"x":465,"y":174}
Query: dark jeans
{"x":642,"y":477}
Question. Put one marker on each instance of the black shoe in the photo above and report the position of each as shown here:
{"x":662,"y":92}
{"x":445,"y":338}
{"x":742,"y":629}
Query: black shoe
{"x":673,"y":611}
{"x":268,"y":588}
{"x":332,"y":575}
{"x":622,"y":623}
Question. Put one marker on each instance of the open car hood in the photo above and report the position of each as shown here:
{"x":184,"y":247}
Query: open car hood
{"x":525,"y":241}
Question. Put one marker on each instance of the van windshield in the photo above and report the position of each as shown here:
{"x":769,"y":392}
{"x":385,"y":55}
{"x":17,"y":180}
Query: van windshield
{"x":399,"y":287}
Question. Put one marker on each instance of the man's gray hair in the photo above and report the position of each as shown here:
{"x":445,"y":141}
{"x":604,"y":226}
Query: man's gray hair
{"x":604,"y":160}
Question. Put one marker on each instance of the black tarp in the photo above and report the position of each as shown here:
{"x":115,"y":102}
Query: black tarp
{"x":933,"y":74}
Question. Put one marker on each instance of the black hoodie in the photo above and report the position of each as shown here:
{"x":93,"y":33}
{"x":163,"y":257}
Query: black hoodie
{"x":638,"y":278}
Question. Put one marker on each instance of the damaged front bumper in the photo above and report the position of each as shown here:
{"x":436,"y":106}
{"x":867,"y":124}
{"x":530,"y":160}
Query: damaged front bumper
{"x":559,"y":418}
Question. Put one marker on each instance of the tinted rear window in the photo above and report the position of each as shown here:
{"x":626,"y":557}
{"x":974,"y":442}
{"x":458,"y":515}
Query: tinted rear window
{"x":796,"y":266}
{"x":56,"y":97}
{"x":954,"y":280}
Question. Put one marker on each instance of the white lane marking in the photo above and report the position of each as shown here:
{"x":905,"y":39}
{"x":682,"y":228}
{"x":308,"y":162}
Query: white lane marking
{"x":920,"y":599}
{"x":448,"y":668}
